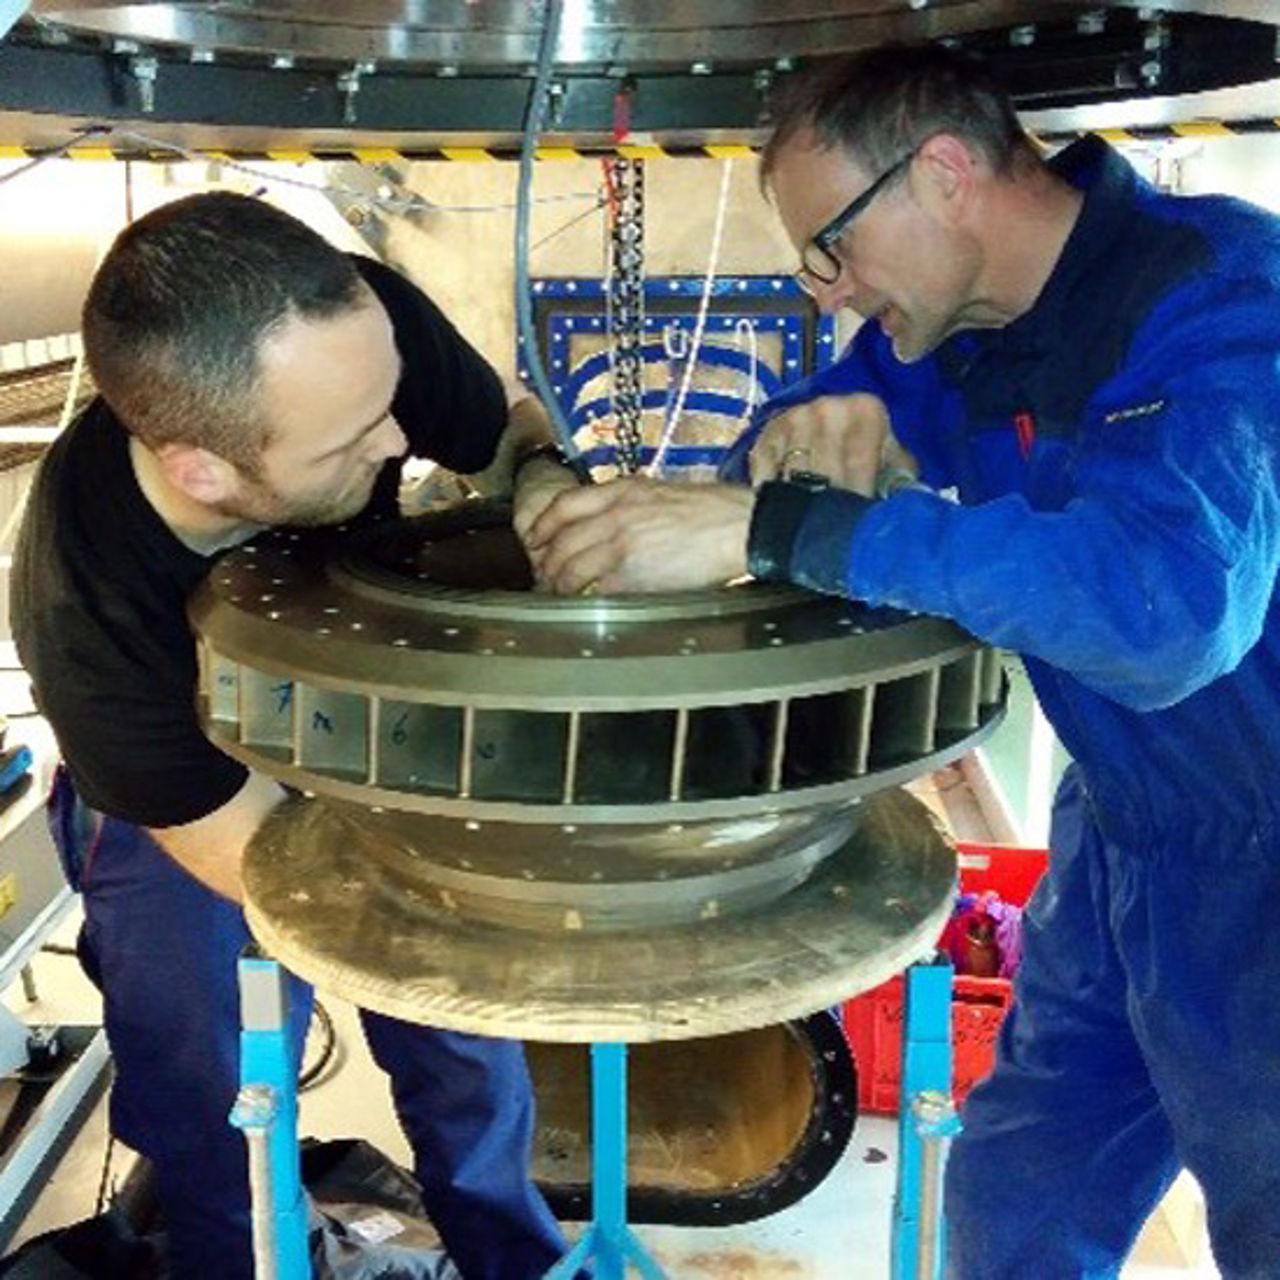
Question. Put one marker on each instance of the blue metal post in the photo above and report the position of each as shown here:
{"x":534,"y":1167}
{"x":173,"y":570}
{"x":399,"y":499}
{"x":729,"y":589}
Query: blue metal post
{"x":266,"y":1109}
{"x":926,"y":1119}
{"x":609,"y":1158}
{"x":608,"y":1239}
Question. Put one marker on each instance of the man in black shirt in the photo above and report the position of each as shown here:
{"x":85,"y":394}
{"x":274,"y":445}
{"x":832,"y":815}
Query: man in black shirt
{"x":250,"y":375}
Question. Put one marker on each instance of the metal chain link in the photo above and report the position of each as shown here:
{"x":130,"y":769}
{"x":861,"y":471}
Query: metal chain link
{"x":626,"y":314}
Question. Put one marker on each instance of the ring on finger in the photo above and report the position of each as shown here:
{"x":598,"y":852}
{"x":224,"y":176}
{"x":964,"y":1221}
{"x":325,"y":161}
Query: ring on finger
{"x":801,"y":456}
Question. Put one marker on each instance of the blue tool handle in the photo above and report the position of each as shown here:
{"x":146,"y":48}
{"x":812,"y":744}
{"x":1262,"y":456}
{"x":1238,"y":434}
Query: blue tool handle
{"x":14,"y":766}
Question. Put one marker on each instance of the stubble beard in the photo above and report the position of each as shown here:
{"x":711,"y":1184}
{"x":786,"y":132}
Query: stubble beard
{"x":265,"y":505}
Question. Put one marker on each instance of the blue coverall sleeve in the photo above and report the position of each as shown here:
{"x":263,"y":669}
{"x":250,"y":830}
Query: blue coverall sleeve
{"x":1156,"y":577}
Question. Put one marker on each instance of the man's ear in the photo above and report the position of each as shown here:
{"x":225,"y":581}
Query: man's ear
{"x":200,"y":475}
{"x":949,"y":169}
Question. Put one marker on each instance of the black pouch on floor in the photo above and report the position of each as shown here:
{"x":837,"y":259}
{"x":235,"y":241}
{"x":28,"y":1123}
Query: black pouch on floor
{"x":351,"y":1171}
{"x":369,"y":1224}
{"x":374,"y":1225}
{"x":101,"y":1248}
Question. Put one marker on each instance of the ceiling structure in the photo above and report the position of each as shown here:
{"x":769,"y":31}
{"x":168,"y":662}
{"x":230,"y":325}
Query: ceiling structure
{"x":416,"y":76}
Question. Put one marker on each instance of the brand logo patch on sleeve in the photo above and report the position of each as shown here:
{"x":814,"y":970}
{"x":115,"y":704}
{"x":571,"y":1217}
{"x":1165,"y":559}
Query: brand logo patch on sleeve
{"x":1135,"y":411}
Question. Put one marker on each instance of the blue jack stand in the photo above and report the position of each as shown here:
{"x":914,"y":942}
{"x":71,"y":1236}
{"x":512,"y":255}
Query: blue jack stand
{"x":927,"y":1119}
{"x":266,"y":1109}
{"x":608,"y":1240}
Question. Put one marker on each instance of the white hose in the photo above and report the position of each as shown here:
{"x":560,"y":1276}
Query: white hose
{"x":744,"y":328}
{"x":655,"y":467}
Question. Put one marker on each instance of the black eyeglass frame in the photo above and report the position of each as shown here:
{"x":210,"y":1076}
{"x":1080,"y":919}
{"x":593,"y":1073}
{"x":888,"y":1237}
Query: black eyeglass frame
{"x":825,"y":237}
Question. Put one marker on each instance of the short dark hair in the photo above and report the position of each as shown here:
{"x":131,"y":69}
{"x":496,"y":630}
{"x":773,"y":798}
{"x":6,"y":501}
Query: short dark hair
{"x":880,"y":104}
{"x":179,"y":308}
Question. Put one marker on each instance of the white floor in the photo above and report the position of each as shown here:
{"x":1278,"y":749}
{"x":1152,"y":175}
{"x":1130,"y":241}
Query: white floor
{"x":840,"y":1231}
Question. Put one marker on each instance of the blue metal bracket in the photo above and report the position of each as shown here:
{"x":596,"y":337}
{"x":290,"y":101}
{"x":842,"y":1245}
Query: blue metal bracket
{"x":608,"y":1240}
{"x":927,"y":1120}
{"x":266,"y":1109}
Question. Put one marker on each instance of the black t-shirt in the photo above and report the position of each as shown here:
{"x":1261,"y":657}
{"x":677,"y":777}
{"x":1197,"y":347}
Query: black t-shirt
{"x":100,"y":584}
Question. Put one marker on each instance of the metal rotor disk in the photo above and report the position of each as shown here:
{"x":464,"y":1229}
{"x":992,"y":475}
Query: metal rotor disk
{"x":414,"y":670}
{"x":320,"y":898}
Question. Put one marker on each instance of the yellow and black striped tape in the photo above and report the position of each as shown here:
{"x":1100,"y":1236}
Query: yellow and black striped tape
{"x":1192,"y":129}
{"x":381,"y":155}
{"x":102,"y":150}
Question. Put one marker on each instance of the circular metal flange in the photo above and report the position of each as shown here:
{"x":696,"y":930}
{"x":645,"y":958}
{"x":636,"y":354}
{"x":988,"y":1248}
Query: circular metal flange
{"x":503,"y":34}
{"x":409,"y":673}
{"x":319,"y":898}
{"x":514,"y":876}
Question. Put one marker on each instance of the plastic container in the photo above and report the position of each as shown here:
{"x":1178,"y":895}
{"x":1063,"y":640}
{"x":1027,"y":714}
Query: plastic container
{"x":873,"y":1020}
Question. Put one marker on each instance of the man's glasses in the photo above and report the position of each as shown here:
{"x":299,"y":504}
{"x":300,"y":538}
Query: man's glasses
{"x":818,"y":260}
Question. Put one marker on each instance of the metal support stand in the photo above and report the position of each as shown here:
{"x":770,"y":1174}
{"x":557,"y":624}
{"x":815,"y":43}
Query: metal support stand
{"x":266,"y":1109}
{"x":927,"y":1120}
{"x":608,"y":1240}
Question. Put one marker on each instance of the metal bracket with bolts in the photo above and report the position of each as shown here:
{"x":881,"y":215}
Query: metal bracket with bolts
{"x":349,"y":86}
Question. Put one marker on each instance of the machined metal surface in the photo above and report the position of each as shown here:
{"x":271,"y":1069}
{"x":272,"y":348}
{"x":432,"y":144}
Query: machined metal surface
{"x":320,"y":899}
{"x":504,"y":33}
{"x":579,"y":819}
{"x":417,"y":672}
{"x":335,"y":78}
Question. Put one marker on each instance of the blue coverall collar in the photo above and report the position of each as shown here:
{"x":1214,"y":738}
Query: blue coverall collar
{"x":1109,"y":185}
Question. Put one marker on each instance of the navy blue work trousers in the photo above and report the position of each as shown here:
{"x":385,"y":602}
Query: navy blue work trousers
{"x":1145,"y":1035}
{"x":164,"y":950}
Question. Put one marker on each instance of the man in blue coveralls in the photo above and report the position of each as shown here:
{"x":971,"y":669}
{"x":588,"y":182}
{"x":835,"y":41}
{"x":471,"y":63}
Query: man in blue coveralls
{"x":1092,"y":368}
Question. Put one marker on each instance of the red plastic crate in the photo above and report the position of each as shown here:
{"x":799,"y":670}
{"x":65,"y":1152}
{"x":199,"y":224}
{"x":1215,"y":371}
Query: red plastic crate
{"x":873,"y":1020}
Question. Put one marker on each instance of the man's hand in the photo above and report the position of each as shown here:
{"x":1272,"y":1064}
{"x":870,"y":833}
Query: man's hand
{"x":212,"y":848}
{"x":538,"y":481}
{"x":847,"y":439}
{"x":641,"y":535}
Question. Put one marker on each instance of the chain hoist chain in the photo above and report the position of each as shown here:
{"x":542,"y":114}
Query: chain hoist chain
{"x":627,"y":310}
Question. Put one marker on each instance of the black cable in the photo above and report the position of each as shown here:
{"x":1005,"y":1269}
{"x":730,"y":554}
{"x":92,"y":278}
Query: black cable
{"x":320,"y":1013}
{"x":313,"y":1073}
{"x":534,"y":116}
{"x":578,"y":217}
{"x":328,"y":1031}
{"x":55,"y":152}
{"x":106,"y":1170}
